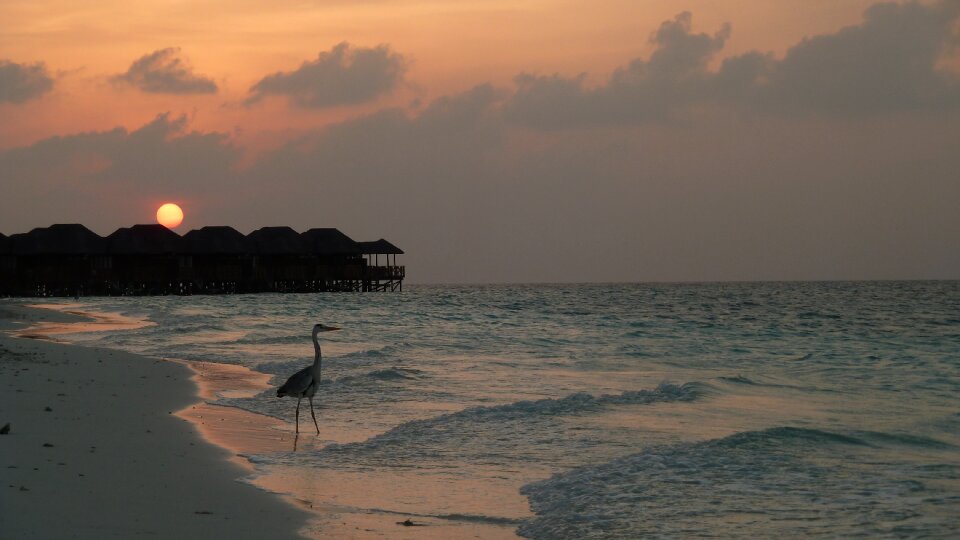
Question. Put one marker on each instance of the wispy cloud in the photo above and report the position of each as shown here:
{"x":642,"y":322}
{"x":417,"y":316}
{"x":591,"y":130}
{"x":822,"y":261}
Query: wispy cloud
{"x":23,"y":82}
{"x":344,"y":75}
{"x":165,"y":71}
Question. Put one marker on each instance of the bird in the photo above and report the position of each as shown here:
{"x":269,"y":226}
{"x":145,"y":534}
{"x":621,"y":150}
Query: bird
{"x":304,"y":383}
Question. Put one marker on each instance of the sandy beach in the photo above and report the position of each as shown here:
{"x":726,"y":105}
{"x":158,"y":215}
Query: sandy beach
{"x":95,"y":448}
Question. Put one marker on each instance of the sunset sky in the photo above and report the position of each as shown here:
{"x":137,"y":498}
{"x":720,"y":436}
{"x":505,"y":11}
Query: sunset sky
{"x":523,"y":141}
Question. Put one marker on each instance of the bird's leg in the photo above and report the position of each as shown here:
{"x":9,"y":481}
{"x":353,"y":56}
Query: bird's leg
{"x":298,"y":415}
{"x":313,"y":415}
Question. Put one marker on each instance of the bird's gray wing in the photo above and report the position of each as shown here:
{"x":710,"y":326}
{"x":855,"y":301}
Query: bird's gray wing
{"x":297,"y":384}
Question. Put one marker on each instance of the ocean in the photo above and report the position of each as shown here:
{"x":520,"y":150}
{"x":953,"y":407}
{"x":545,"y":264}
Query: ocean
{"x":598,"y":411}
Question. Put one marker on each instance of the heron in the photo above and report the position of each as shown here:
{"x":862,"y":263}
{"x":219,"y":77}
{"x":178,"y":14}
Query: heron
{"x":305,"y":382}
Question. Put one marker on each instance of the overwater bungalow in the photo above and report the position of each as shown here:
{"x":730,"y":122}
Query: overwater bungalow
{"x":71,"y":260}
{"x":59,"y":260}
{"x":7,"y":261}
{"x":220,"y":258}
{"x":336,"y":258}
{"x":148,"y":259}
{"x":279,"y":259}
{"x":388,"y":277}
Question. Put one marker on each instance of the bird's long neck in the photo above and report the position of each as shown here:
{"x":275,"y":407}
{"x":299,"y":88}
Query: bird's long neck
{"x":317,"y":357}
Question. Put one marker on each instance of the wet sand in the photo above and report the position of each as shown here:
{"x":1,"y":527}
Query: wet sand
{"x":239,"y":431}
{"x":96,"y":447}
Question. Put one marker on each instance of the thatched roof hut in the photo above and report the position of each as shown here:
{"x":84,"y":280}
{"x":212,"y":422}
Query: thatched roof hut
{"x":379,"y":247}
{"x":151,"y":239}
{"x":276,"y":241}
{"x":59,"y":239}
{"x":220,"y":240}
{"x":329,"y":241}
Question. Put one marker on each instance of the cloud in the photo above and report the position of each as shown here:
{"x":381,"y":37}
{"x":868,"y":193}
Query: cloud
{"x":23,"y":82}
{"x":105,"y":177}
{"x":887,"y":63}
{"x":797,"y":189}
{"x":165,"y":71}
{"x":344,"y":75}
{"x":674,"y":75}
{"x":379,"y":156}
{"x":472,"y":198}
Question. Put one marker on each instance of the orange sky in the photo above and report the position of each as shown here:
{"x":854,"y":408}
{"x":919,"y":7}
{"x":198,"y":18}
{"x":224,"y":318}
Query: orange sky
{"x":450,"y":46}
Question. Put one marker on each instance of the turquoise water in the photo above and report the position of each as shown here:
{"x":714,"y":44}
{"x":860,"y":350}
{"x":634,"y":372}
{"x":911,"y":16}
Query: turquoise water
{"x":611,"y":411}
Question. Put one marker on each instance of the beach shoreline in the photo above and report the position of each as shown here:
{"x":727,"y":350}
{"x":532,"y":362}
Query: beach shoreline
{"x":97,"y":440}
{"x":325,"y":503}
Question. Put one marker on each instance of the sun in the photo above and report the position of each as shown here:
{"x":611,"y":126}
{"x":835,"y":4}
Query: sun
{"x":169,"y":215}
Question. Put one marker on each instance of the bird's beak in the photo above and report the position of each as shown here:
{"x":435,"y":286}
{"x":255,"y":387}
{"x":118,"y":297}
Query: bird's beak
{"x":330,"y":328}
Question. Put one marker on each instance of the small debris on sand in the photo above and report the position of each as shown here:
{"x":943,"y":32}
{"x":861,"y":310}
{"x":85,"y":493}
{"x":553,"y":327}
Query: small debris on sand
{"x":5,"y":429}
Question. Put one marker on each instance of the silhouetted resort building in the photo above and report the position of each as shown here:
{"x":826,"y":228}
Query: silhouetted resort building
{"x":72,"y":260}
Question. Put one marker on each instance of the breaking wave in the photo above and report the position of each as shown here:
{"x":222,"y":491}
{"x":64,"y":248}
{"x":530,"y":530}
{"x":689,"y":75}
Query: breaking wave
{"x":395,"y":373}
{"x":517,"y":431}
{"x":783,"y":480}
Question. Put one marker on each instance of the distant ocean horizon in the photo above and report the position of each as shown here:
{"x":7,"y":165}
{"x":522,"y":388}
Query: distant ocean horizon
{"x":534,"y":283}
{"x":612,"y":410}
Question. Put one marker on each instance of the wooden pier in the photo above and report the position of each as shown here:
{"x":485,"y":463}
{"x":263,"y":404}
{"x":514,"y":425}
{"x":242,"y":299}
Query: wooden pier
{"x":72,"y":260}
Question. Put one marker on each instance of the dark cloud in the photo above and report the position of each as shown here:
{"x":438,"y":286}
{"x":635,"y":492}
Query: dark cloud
{"x":165,"y":71}
{"x":344,"y":75}
{"x":471,"y":198}
{"x":437,"y":155}
{"x":675,"y":75}
{"x":680,"y":56}
{"x":23,"y":82}
{"x":887,"y":63}
{"x":105,"y":178}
